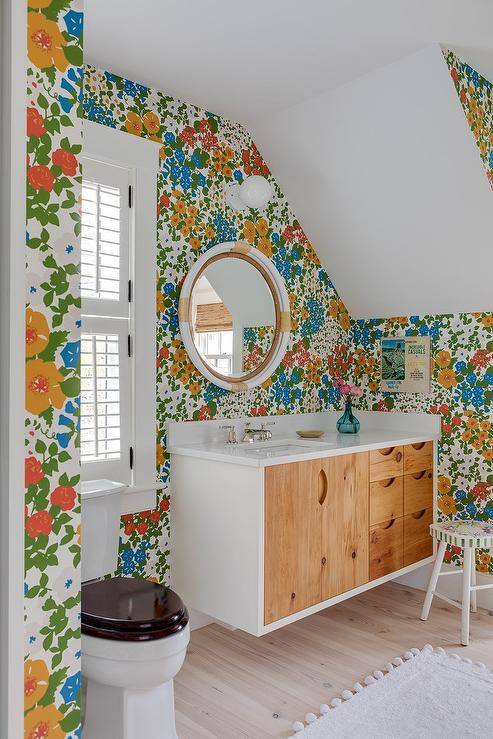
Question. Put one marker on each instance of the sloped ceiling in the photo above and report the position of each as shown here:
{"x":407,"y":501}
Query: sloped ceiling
{"x":387,"y":181}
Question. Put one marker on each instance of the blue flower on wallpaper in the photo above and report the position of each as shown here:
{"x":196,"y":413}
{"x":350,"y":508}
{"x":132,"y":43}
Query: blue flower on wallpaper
{"x":225,"y":229}
{"x":98,"y":113}
{"x":213,"y":392}
{"x":460,"y":366}
{"x":169,"y":319}
{"x":488,"y":510}
{"x":282,"y":264}
{"x":74,"y":23}
{"x":71,"y":353}
{"x":69,"y":420}
{"x":169,"y":137}
{"x":316,"y":317}
{"x":72,"y":84}
{"x":71,"y":687}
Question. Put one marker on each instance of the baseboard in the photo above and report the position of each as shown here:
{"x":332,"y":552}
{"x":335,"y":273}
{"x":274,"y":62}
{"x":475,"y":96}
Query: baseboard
{"x":450,"y":586}
{"x":198,"y":619}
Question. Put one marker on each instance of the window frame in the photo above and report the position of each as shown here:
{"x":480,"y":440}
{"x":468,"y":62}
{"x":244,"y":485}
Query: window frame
{"x":141,"y":157}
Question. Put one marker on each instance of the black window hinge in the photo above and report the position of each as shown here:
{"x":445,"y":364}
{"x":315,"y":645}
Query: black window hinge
{"x":131,"y":457}
{"x":129,"y":345}
{"x":130,"y":196}
{"x":130,"y":291}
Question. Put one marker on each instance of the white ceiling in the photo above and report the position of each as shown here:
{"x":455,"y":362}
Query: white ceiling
{"x":249,"y":59}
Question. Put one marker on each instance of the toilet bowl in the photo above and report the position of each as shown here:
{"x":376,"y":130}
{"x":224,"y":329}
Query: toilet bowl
{"x":135,"y":635}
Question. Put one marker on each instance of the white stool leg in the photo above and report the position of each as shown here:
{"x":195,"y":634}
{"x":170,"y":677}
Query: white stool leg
{"x":437,"y":566}
{"x":474,"y":593}
{"x":466,"y":597}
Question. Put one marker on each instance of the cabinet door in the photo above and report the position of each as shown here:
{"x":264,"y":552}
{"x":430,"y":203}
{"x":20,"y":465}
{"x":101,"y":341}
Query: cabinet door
{"x":345,"y":524}
{"x":292,"y":538}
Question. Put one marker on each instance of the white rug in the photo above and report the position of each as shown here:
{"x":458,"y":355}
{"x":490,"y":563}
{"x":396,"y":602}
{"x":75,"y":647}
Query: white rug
{"x":426,"y":694}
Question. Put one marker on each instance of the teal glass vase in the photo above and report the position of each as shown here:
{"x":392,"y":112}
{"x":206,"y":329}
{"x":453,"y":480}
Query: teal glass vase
{"x":348,"y":423}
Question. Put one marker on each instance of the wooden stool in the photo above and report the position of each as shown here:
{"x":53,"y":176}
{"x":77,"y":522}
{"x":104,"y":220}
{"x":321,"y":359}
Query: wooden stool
{"x":469,"y":535}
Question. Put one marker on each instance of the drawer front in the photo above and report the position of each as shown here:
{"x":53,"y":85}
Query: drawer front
{"x":386,"y":500}
{"x":418,"y":491}
{"x":385,"y":463}
{"x":418,"y":543}
{"x":418,"y":457}
{"x":386,"y":548}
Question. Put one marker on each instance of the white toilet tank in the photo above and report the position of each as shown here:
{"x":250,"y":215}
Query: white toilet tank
{"x":101,"y":511}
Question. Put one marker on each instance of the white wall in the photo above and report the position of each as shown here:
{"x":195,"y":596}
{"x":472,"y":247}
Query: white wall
{"x":388,"y":183}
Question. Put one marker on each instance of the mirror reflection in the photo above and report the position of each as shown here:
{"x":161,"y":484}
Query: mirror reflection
{"x":232,"y":316}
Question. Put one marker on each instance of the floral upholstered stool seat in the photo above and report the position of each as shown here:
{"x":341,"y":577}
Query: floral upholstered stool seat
{"x":469,"y":535}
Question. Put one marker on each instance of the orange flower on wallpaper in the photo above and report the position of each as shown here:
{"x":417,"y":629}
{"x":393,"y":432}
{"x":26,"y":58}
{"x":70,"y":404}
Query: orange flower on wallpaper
{"x":443,"y":484}
{"x":45,"y":42}
{"x":151,"y":121}
{"x":36,"y":677}
{"x":43,"y":386}
{"x":447,"y":505}
{"x":447,"y":378}
{"x":443,"y":358}
{"x":133,"y":123}
{"x":37,"y":332}
{"x":159,"y":455}
{"x":43,"y":722}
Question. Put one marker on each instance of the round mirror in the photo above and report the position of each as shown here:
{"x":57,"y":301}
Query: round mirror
{"x":234,"y":316}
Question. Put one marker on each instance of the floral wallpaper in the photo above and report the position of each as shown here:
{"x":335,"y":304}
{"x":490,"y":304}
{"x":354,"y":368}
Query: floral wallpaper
{"x":476,"y":95}
{"x":52,"y":504}
{"x":200,"y":153}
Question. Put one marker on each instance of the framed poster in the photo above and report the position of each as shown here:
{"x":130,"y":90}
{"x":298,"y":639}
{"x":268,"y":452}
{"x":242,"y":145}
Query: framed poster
{"x":405,"y":364}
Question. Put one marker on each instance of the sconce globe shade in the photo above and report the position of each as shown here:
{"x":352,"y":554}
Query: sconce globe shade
{"x":255,"y":191}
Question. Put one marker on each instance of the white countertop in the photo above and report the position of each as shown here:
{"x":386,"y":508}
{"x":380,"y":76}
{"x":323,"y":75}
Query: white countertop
{"x":331,"y":444}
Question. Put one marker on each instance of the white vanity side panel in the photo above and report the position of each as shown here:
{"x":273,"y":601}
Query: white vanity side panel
{"x":216,"y":518}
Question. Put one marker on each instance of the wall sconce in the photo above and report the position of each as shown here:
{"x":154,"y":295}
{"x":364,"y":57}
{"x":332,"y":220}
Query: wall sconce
{"x":254,"y":192}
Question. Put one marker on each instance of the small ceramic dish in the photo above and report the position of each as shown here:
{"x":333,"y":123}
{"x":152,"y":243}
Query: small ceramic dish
{"x":310,"y":434}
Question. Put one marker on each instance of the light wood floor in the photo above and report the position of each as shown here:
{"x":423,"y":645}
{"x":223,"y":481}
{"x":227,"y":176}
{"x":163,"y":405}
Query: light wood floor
{"x":235,"y":685}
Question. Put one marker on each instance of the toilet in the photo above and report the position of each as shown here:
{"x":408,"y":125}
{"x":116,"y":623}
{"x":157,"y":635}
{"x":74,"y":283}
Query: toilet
{"x":135,"y":634}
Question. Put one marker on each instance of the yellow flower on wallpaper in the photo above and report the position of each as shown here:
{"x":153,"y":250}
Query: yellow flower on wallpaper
{"x":37,"y":4}
{"x":447,"y":378}
{"x":43,"y":386}
{"x":447,"y":505}
{"x":443,"y":484}
{"x":159,"y":455}
{"x":265,"y":246}
{"x":159,"y":302}
{"x":45,"y":42}
{"x":249,"y":231}
{"x":133,"y":123}
{"x":36,"y":677}
{"x":43,"y":722}
{"x":443,"y":358}
{"x":151,"y":121}
{"x":37,"y":332}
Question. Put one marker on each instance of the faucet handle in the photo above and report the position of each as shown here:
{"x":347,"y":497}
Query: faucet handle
{"x":268,"y":423}
{"x":232,"y":438}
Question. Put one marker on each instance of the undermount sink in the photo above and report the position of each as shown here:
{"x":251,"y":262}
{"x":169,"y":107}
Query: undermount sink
{"x":264,"y":449}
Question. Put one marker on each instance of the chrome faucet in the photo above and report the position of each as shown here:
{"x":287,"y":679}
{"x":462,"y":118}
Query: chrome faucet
{"x":232,"y":437}
{"x":251,"y":435}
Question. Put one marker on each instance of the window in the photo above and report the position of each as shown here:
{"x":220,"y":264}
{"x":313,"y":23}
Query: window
{"x":106,"y":382}
{"x":217,"y":348}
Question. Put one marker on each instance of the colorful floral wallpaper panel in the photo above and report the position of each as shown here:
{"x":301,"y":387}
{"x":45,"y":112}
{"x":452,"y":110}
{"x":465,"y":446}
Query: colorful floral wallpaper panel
{"x":52,"y":324}
{"x":476,"y":96}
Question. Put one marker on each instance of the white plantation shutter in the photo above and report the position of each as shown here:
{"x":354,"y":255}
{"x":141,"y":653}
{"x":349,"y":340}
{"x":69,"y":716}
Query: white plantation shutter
{"x":106,"y":386}
{"x":105,"y":236}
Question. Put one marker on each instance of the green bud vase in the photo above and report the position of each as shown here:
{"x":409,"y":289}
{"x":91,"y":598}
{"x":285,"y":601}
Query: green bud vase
{"x":348,"y":423}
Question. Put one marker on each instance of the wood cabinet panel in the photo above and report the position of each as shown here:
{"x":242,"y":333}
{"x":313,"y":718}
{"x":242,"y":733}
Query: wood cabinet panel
{"x":418,"y":543}
{"x":418,"y":491}
{"x":386,"y":500}
{"x":292,"y":544}
{"x":385,"y":463}
{"x":345,"y":523}
{"x":418,"y":457}
{"x":386,"y":548}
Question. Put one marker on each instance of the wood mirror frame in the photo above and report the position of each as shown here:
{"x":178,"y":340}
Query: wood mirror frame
{"x":238,"y":250}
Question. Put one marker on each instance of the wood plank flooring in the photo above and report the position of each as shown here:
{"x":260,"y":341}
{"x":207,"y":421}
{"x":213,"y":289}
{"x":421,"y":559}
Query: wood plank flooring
{"x":237,"y":686}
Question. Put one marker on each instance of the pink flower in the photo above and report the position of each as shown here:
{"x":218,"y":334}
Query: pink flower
{"x":345,"y":389}
{"x":356,"y":391}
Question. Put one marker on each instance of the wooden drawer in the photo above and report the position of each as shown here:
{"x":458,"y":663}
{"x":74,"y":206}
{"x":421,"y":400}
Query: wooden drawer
{"x":418,"y":491}
{"x":386,"y":500}
{"x":418,"y":543}
{"x":386,"y":548}
{"x":418,"y":457}
{"x":385,"y":463}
